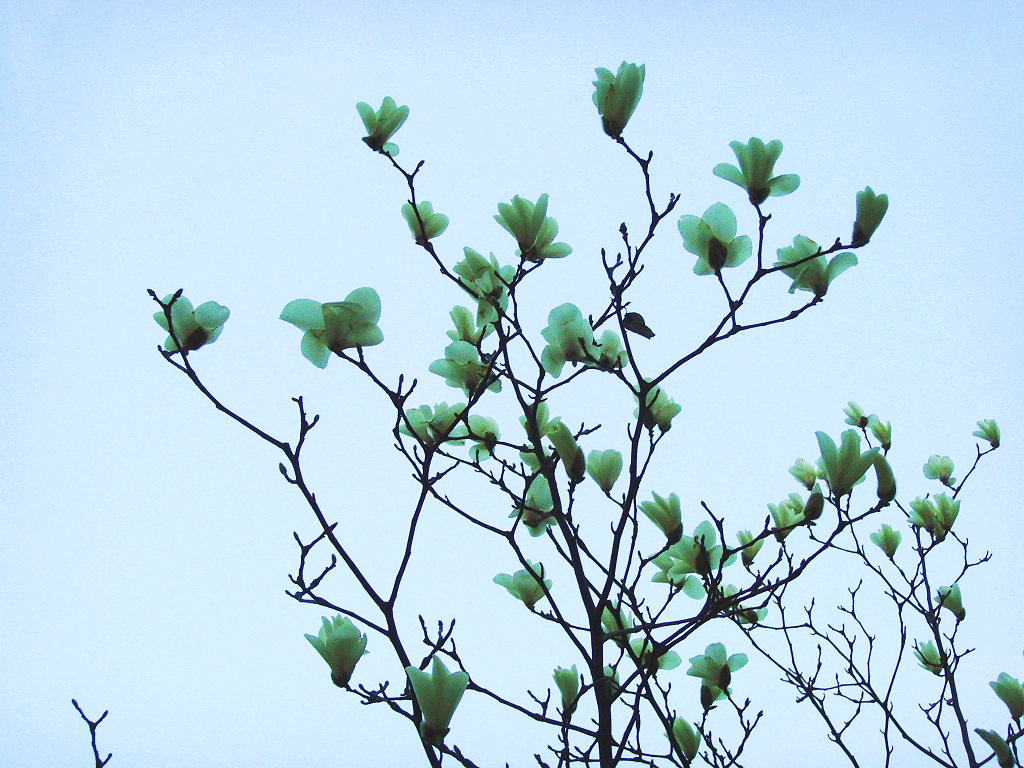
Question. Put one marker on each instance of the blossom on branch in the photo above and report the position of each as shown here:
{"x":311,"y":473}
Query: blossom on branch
{"x":713,"y":238}
{"x":811,"y":274}
{"x":341,"y":645}
{"x":438,"y":694}
{"x":433,"y":223}
{"x":532,"y":228}
{"x":337,"y":325}
{"x":382,"y":124}
{"x":524,"y":585}
{"x":871,"y":209}
{"x":757,"y":163}
{"x":193,"y":328}
{"x":617,"y":96}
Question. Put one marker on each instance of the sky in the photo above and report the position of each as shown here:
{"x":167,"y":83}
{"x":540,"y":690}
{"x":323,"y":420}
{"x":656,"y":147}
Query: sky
{"x":145,"y":539}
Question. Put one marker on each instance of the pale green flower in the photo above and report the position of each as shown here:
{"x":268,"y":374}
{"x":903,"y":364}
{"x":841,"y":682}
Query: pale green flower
{"x":487,"y":282}
{"x":678,"y":572}
{"x":882,"y":432}
{"x":524,"y":585}
{"x":651,"y":657}
{"x":699,"y":554}
{"x":757,"y":163}
{"x":805,"y":472}
{"x":660,"y":410}
{"x":382,"y":124}
{"x":433,"y":223}
{"x":666,"y":514}
{"x":855,"y":416}
{"x":786,"y":514}
{"x":341,"y":645}
{"x":570,"y":339}
{"x":715,"y":669}
{"x":845,"y":466}
{"x":568,"y":682}
{"x":887,"y":539}
{"x":434,"y":425}
{"x":462,"y":368}
{"x":609,"y":352}
{"x":567,"y":449}
{"x":950,"y":598}
{"x":870,"y":210}
{"x":743,"y":615}
{"x":615,"y":619}
{"x":604,"y":468}
{"x":485,"y":435}
{"x":750,"y":547}
{"x":1011,"y":693}
{"x":617,"y":96}
{"x":465,"y":328}
{"x":940,"y":468}
{"x":536,"y":513}
{"x":712,"y":237}
{"x":337,"y":325}
{"x":934,"y":515}
{"x":684,"y":738}
{"x":193,"y":327}
{"x":532,"y":228}
{"x":1004,"y":757}
{"x":928,"y":656}
{"x":988,"y":430}
{"x":438,"y":694}
{"x":886,"y":480}
{"x":813,"y":275}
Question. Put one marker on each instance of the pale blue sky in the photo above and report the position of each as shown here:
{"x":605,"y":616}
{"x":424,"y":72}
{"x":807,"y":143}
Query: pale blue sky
{"x":145,"y":540}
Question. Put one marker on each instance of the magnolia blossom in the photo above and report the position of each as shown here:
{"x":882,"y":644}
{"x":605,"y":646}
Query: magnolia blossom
{"x":757,"y":163}
{"x":568,"y":682}
{"x":438,"y":694}
{"x":811,"y":274}
{"x":382,"y":124}
{"x":665,"y":513}
{"x":433,"y":223}
{"x":528,"y":585}
{"x":193,"y":328}
{"x":604,"y":468}
{"x":616,"y":96}
{"x":988,"y":430}
{"x":871,"y":209}
{"x":713,"y":238}
{"x":337,"y":325}
{"x":532,"y":228}
{"x":715,"y":670}
{"x":341,"y":645}
{"x":887,"y":539}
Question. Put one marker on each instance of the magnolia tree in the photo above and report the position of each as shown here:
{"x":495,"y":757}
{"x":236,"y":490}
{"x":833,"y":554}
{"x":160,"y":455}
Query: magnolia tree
{"x":629,"y":615}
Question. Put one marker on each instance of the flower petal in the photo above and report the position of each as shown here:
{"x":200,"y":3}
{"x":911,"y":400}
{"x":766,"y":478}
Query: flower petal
{"x":304,"y":314}
{"x":314,"y":350}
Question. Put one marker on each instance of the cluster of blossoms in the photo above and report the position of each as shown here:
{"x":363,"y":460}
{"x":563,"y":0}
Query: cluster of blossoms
{"x":692,"y":564}
{"x":571,"y":339}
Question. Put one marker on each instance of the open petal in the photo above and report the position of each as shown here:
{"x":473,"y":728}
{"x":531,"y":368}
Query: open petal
{"x":739,"y":251}
{"x":783,"y":185}
{"x":722,"y":221}
{"x":369,"y":117}
{"x":314,"y":350}
{"x":365,"y":336}
{"x":183,"y":317}
{"x":305,"y":314}
{"x":840,"y":264}
{"x":730,"y":172}
{"x":211,"y":315}
{"x":368,"y":299}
